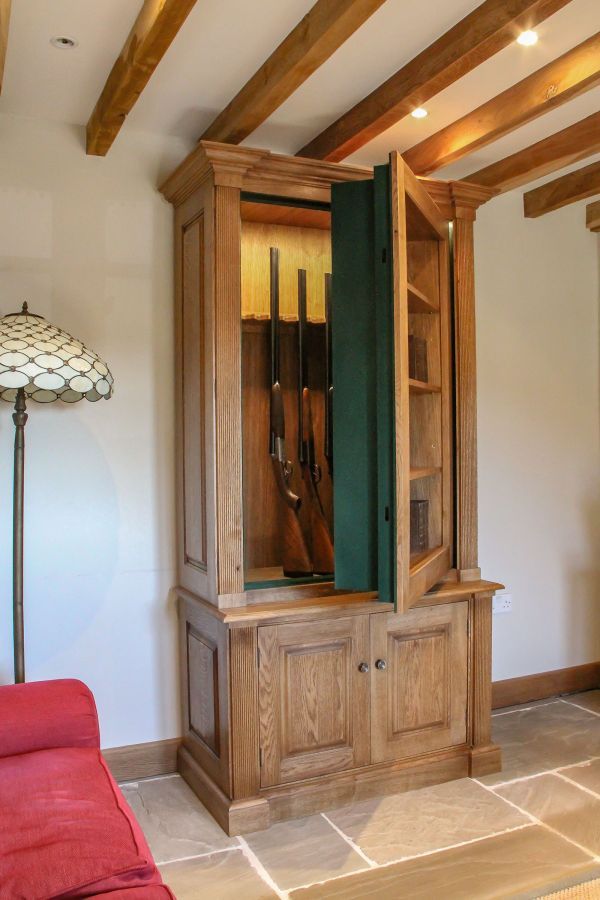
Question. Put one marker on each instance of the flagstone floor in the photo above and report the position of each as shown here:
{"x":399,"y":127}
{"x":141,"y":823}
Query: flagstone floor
{"x":531,"y":829}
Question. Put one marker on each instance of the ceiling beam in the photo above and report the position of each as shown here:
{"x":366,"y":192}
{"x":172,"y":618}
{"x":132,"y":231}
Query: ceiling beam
{"x":562,"y":191}
{"x":571,"y":74}
{"x":314,"y":39}
{"x":4,"y":20}
{"x":151,"y":36}
{"x":562,"y":149}
{"x":592,"y":216}
{"x":477,"y":37}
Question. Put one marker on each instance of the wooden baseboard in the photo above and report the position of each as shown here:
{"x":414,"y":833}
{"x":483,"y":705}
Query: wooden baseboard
{"x":143,"y":760}
{"x":545,"y":684}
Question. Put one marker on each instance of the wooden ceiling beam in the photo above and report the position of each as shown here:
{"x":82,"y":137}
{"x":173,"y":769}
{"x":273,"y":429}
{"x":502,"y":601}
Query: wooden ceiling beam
{"x":558,"y":193}
{"x":314,"y":39}
{"x":477,"y":37}
{"x":4,"y":22}
{"x":152,"y":34}
{"x":571,"y":74}
{"x":592,"y":216}
{"x":562,"y":149}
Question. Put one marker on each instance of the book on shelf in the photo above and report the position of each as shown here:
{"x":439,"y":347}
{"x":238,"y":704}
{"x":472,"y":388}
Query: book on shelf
{"x":419,"y":526}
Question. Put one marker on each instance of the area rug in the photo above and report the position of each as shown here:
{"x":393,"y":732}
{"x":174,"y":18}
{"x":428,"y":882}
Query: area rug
{"x":589,"y":890}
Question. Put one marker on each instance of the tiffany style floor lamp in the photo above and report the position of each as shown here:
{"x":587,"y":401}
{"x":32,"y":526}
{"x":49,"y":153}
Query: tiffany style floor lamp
{"x":43,"y":363}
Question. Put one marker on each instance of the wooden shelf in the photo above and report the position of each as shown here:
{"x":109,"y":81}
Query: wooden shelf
{"x":273,"y":577}
{"x":418,"y":302}
{"x":422,"y":387}
{"x":424,"y":472}
{"x":418,"y":559}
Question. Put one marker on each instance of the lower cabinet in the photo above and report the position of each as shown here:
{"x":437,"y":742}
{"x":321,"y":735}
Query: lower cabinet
{"x":344,"y":693}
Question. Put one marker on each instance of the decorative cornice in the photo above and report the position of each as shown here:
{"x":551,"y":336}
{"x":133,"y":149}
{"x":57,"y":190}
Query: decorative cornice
{"x":262,"y":171}
{"x":257,"y":170}
{"x":467,"y":197}
{"x":226,"y":163}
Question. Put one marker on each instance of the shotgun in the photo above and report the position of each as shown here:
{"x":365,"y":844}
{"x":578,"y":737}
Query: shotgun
{"x":294,"y":555}
{"x":322,"y":545}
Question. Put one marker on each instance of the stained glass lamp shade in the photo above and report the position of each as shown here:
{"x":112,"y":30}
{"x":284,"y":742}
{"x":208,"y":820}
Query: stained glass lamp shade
{"x":47,"y":363}
{"x":43,"y":363}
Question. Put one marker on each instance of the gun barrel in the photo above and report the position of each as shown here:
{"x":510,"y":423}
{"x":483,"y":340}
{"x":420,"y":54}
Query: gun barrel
{"x":302,"y":360}
{"x":274,"y":286}
{"x":276,"y":412}
{"x":328,"y":373}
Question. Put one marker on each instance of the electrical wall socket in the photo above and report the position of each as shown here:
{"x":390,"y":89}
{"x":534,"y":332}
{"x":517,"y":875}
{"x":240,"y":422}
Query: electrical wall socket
{"x":502,"y":603}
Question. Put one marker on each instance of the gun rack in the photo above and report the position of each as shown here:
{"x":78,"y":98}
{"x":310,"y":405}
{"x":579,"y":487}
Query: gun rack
{"x":302,"y":240}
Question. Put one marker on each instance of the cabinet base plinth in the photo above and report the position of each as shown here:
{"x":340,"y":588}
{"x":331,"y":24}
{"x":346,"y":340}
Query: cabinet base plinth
{"x":304,"y":798}
{"x":234,"y":816}
{"x":485,"y":761}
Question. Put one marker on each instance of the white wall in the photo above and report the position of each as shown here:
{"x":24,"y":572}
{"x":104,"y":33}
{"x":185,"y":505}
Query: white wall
{"x":539,"y":432}
{"x":88,"y":242}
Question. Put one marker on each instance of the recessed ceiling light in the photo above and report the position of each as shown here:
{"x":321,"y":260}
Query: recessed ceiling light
{"x":419,"y":113}
{"x":63,"y":43}
{"x":527,"y":38}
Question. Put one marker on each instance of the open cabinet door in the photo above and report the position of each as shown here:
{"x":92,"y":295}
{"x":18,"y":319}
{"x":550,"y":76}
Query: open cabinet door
{"x":392,"y":403}
{"x":419,"y":284}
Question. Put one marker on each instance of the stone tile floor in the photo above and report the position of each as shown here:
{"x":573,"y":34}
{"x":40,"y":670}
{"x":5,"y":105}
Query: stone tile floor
{"x":530,"y":829}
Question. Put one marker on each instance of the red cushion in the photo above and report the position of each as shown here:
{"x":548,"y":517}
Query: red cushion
{"x":66,"y":830}
{"x":41,"y":715}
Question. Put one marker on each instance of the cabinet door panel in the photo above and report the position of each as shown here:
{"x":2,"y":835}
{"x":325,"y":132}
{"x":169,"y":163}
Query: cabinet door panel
{"x":419,"y":701}
{"x":314,"y":701}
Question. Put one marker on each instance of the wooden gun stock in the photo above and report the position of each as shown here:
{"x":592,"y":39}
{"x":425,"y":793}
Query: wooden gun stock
{"x":322,"y":545}
{"x":294,"y":555}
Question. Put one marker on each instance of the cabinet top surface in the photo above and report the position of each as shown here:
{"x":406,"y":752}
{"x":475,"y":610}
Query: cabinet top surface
{"x":344,"y":605}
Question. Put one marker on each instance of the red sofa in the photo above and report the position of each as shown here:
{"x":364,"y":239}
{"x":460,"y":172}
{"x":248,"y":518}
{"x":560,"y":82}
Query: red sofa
{"x":65,"y":828}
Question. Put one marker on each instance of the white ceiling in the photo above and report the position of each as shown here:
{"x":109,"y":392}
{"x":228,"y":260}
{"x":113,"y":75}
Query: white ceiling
{"x":222,"y":44}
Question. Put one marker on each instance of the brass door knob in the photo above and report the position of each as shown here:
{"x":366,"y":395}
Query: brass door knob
{"x":363,"y":667}
{"x":381,"y":665}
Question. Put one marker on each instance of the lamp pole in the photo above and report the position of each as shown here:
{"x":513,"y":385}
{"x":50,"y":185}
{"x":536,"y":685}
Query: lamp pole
{"x":43,"y":363}
{"x":20,"y":419}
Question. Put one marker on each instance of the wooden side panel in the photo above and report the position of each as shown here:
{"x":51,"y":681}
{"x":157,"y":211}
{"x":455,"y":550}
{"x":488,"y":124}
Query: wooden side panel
{"x":204,"y":664}
{"x":228,"y":382}
{"x":194,"y":406}
{"x":314,"y":700}
{"x":243,"y":649}
{"x":419,"y":700}
{"x":194,"y":394}
{"x":204,"y":675}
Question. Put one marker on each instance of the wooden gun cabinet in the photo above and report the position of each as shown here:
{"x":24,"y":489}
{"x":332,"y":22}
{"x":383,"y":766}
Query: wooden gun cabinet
{"x":305,"y":692}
